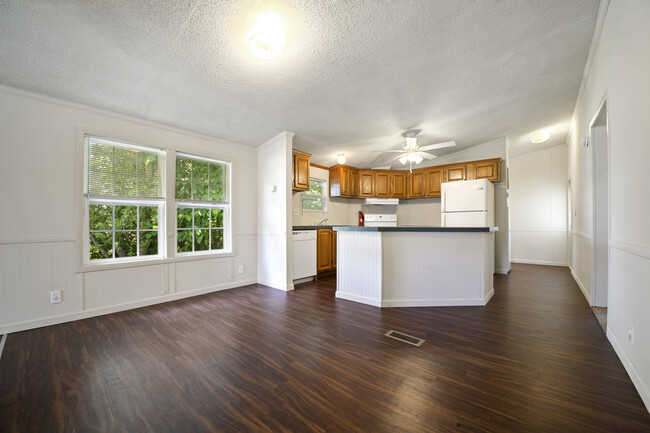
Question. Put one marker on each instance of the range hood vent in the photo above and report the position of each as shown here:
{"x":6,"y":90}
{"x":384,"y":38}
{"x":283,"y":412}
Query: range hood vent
{"x":383,"y":201}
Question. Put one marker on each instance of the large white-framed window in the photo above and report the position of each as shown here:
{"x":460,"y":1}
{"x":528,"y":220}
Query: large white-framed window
{"x":315,"y":198}
{"x":124,"y":201}
{"x":202,"y":198}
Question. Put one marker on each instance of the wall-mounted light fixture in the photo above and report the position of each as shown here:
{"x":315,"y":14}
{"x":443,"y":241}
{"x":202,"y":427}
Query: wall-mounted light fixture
{"x":540,"y":136}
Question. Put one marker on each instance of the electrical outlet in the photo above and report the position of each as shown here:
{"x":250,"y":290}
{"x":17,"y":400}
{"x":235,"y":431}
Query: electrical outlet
{"x":55,"y":296}
{"x":630,"y":334}
{"x":241,"y":269}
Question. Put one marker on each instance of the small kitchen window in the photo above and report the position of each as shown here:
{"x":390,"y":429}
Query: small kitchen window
{"x":315,"y":198}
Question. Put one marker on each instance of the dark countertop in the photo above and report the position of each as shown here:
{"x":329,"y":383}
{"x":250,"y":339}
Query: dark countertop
{"x":317,"y":227}
{"x":415,"y":229}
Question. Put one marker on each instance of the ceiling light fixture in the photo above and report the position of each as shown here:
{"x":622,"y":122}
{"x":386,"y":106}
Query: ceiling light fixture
{"x":267,"y":40}
{"x":540,"y":136}
{"x":340,"y":158}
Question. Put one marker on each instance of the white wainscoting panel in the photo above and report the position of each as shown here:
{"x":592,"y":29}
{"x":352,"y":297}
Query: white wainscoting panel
{"x":202,"y":274}
{"x":629,"y":301}
{"x":122,"y":286}
{"x":581,"y":262}
{"x":359,"y":266}
{"x":28,"y":272}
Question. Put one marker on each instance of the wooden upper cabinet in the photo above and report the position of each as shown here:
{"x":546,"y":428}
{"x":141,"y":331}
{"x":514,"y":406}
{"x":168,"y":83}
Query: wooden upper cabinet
{"x":416,"y":184}
{"x":366,"y":183}
{"x":343,"y":181}
{"x":398,"y":184}
{"x":433,"y":179}
{"x":382,"y":184}
{"x":455,"y":172}
{"x":323,"y":250}
{"x":489,"y":169}
{"x":300,"y":171}
{"x":354,"y":182}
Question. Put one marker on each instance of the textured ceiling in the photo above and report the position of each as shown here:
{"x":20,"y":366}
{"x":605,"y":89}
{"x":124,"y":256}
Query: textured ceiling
{"x":353,"y":76}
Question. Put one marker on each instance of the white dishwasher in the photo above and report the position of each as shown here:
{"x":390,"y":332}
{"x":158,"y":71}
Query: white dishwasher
{"x":304,"y":254}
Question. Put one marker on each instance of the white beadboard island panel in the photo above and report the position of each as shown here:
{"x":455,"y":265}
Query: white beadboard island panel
{"x":415,"y":268}
{"x":359,"y":267}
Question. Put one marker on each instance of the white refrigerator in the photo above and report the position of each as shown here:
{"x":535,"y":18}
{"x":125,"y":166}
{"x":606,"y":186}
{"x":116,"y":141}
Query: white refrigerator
{"x":468,"y":203}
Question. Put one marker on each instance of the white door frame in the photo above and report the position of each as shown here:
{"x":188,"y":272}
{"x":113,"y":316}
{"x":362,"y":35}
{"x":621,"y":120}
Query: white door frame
{"x":603,"y":105}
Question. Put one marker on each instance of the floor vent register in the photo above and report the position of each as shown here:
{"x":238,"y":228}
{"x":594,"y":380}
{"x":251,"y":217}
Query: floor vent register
{"x":405,"y":338}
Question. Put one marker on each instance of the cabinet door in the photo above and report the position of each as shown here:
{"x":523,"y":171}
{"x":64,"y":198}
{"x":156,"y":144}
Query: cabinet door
{"x":354,"y":183}
{"x":334,"y":249}
{"x":433,"y":180}
{"x":382,"y":184}
{"x":324,"y":250}
{"x":416,"y":184}
{"x":456,"y":172}
{"x":346,"y":190}
{"x":366,"y":183}
{"x":398,"y":185}
{"x":490,"y":170}
{"x":300,"y":172}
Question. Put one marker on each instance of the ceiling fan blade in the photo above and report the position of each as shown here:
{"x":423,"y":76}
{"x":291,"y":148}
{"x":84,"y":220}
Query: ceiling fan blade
{"x":426,"y":155}
{"x":398,"y":156}
{"x":400,"y":151}
{"x":439,"y":145}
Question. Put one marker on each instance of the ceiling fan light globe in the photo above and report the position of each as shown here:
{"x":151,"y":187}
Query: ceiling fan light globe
{"x":403,"y":159}
{"x":418,"y":159}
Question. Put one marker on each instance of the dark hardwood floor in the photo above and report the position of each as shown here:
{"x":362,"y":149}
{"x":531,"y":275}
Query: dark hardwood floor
{"x":255,"y":359}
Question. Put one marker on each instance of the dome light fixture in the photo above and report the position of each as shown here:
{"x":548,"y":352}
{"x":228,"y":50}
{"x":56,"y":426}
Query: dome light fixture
{"x":340,"y":158}
{"x":540,"y":136}
{"x":267,"y":39}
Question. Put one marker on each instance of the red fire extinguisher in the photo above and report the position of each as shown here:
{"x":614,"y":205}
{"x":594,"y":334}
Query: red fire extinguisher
{"x":360,"y":219}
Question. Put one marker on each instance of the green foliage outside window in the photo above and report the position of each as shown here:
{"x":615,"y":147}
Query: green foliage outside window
{"x":199,"y":229}
{"x":199,"y":180}
{"x":122,"y":231}
{"x":314,"y":197}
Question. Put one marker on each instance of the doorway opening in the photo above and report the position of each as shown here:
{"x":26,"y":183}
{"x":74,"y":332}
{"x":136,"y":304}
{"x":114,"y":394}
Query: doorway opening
{"x":599,"y":139}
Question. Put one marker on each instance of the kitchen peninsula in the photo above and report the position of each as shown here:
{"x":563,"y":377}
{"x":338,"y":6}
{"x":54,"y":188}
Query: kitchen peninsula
{"x":415,"y":266}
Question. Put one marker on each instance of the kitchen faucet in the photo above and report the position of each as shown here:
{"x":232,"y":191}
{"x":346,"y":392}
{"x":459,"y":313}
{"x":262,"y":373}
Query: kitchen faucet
{"x":322,"y":222}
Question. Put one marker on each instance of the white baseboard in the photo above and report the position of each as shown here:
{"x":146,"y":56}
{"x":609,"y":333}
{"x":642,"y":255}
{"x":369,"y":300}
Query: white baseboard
{"x":361,"y":299}
{"x":539,"y":262}
{"x":641,"y":387}
{"x":465,"y":302}
{"x":276,"y":284}
{"x":584,"y":291}
{"x":63,"y":318}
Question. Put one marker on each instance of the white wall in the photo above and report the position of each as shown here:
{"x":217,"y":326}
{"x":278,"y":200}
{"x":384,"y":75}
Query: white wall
{"x":619,"y":73}
{"x":538,"y":207}
{"x":274,"y":162}
{"x":39,"y":138}
{"x":340,"y":211}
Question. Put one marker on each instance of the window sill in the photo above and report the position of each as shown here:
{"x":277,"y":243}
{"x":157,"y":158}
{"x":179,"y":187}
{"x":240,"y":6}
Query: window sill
{"x":94,"y":267}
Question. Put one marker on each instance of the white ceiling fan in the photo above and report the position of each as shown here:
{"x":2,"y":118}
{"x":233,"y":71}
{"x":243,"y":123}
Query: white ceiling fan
{"x":412,"y":152}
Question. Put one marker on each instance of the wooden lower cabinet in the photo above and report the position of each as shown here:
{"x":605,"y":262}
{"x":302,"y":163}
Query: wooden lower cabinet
{"x":325,"y":250}
{"x":334,"y":249}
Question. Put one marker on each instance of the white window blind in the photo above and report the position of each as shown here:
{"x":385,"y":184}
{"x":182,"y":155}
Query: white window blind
{"x":117,"y":169}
